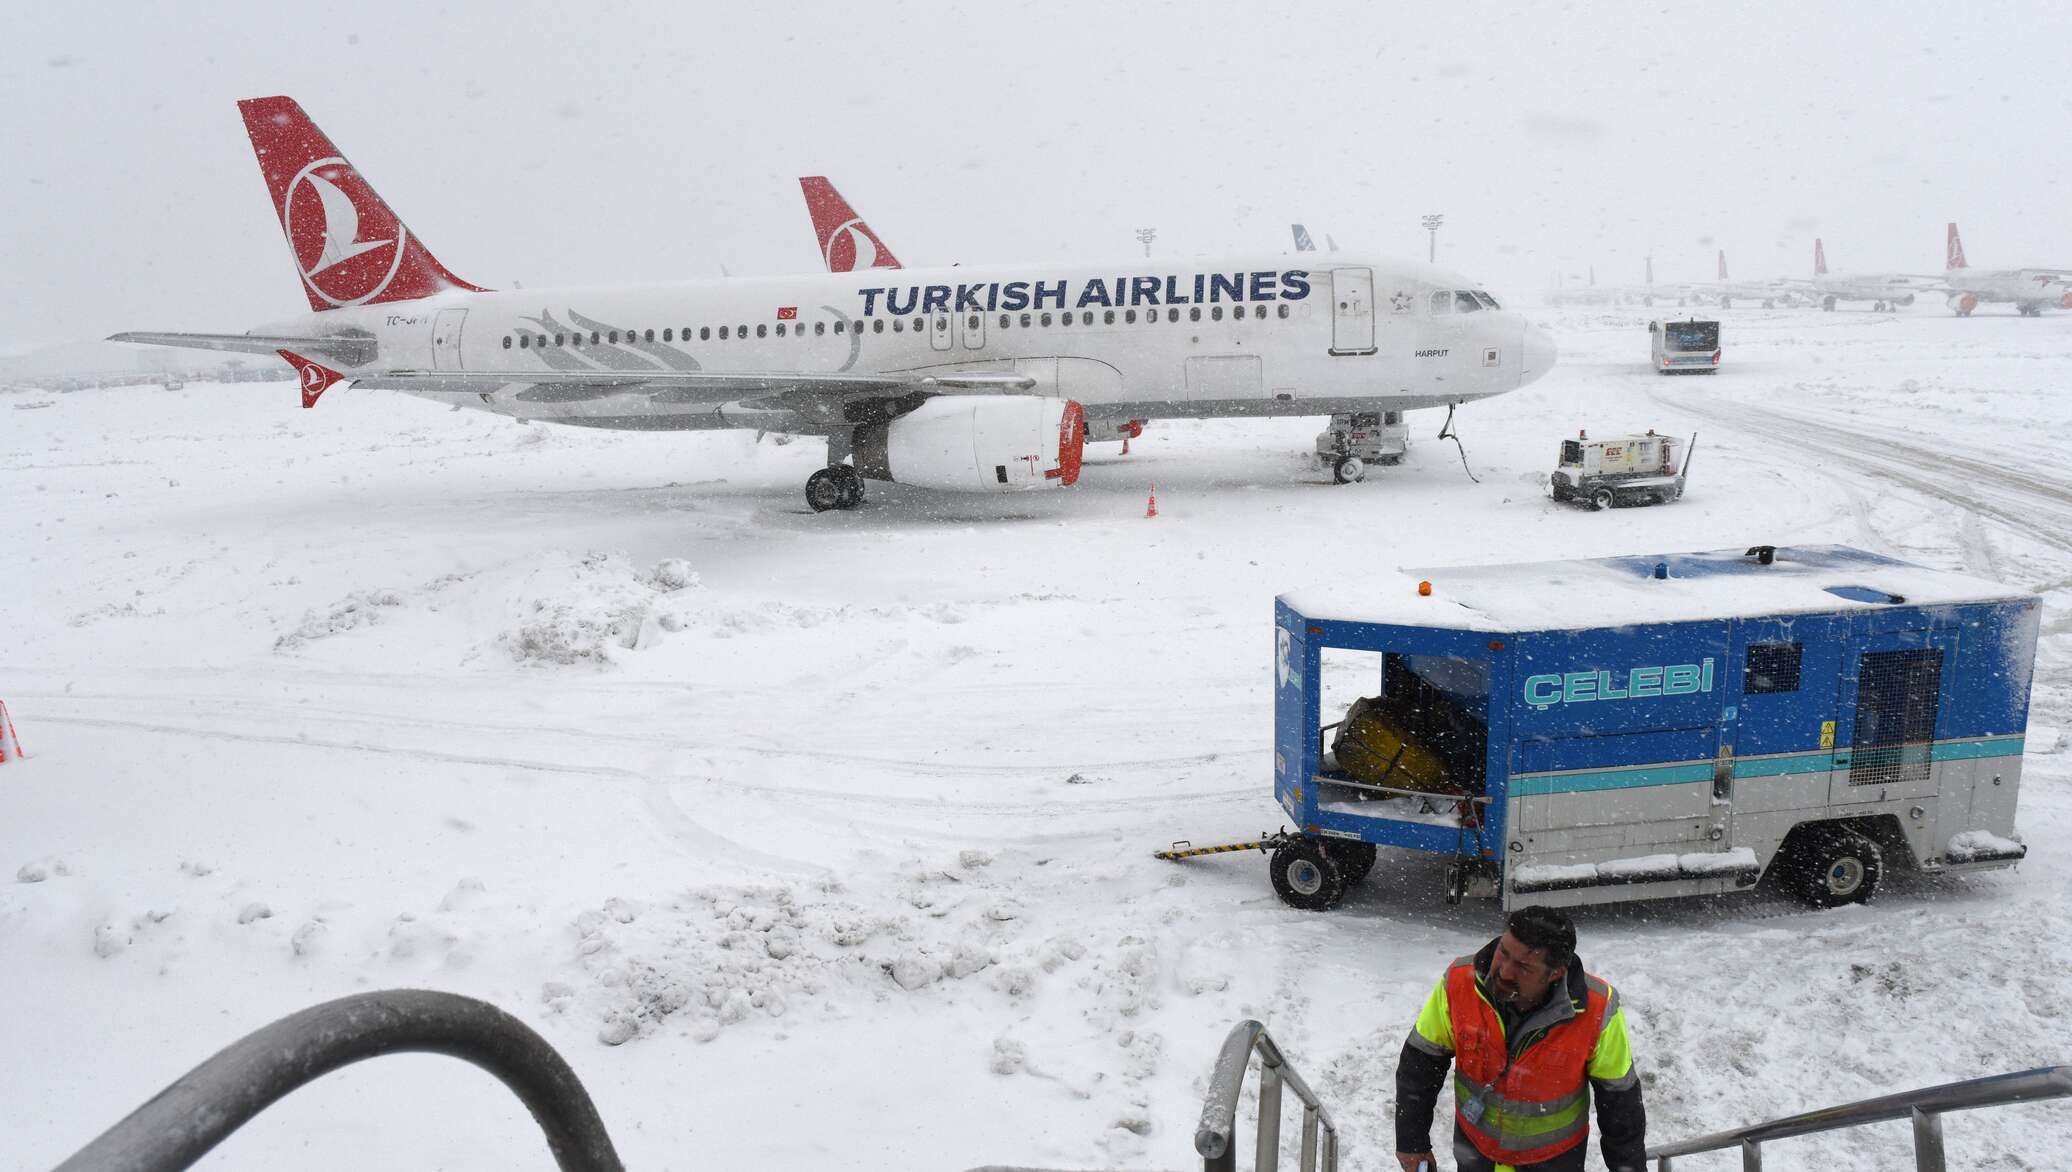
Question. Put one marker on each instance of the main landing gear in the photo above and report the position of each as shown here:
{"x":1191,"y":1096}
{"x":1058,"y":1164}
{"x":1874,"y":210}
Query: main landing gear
{"x":838,"y":486}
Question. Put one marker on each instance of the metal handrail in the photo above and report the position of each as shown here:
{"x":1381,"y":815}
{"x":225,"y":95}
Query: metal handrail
{"x":1925,"y":1107}
{"x":1214,"y":1139}
{"x":204,"y":1106}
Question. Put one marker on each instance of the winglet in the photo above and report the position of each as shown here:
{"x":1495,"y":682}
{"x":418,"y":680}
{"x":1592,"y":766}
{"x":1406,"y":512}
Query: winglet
{"x":316,"y":377}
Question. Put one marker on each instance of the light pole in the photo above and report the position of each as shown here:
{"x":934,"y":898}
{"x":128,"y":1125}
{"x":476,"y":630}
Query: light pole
{"x":1431,"y":224}
{"x":1144,"y":237}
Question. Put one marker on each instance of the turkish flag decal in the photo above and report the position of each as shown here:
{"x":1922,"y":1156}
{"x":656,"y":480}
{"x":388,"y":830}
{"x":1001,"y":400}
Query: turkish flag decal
{"x":788,"y":313}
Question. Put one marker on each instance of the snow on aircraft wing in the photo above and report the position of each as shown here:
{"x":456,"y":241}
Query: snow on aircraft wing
{"x":346,"y":349}
{"x":693,"y":386}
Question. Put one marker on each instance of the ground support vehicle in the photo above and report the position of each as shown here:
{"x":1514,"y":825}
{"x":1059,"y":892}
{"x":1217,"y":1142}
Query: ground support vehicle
{"x":1622,"y":470}
{"x":1636,"y":727}
{"x":1354,"y":443}
{"x":1684,"y":347}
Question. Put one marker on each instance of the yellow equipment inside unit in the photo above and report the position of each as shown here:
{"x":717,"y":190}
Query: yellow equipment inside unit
{"x":1373,"y":747}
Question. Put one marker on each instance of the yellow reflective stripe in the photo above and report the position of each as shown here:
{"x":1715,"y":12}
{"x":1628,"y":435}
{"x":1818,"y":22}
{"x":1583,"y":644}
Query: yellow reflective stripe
{"x":1435,"y":1023}
{"x":1514,"y":1129}
{"x":1612,"y":1060}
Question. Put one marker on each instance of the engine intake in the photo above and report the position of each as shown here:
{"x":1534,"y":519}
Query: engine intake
{"x":977,"y":443}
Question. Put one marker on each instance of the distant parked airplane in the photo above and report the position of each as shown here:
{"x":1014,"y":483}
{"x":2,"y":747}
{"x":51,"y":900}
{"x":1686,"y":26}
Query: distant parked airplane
{"x":2030,"y":290}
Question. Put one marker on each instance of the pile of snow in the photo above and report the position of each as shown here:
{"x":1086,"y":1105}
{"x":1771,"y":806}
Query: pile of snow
{"x":586,"y":610}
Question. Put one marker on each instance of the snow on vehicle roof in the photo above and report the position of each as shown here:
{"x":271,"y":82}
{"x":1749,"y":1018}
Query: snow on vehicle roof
{"x":1622,"y":591}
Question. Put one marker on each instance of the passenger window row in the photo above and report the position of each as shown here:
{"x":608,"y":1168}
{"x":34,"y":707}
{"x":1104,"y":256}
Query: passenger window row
{"x":526,"y":340}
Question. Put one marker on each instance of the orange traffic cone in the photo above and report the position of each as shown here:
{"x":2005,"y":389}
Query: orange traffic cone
{"x":1151,"y":505}
{"x":1125,"y":445}
{"x":7,"y":733}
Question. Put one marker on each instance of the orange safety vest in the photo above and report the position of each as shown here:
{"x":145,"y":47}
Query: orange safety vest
{"x":1523,"y":1103}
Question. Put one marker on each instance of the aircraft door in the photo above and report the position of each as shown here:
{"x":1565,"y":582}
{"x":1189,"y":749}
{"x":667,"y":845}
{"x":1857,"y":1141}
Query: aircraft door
{"x":446,"y":339}
{"x":939,"y":330}
{"x":974,"y":331}
{"x":1352,"y":311}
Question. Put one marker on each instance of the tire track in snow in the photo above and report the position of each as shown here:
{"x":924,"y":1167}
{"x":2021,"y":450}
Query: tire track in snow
{"x":2032,"y":505}
{"x":937,"y":802}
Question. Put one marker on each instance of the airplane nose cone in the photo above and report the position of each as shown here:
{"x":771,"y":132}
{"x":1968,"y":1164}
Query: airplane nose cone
{"x":1540,"y":353}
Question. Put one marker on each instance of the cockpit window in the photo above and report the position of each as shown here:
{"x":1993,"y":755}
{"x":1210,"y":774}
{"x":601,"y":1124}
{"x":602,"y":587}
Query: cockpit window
{"x":1442,"y":301}
{"x":1487,"y":301}
{"x":1465,"y":301}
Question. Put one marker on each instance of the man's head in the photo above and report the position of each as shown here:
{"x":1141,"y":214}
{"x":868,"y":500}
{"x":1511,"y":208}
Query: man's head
{"x":1531,"y":955}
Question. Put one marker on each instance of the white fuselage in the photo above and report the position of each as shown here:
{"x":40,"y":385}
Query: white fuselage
{"x":1893,"y":288}
{"x":2032,"y":289}
{"x":1261,"y":335}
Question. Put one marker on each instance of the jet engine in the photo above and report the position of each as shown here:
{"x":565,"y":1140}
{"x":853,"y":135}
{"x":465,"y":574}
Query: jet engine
{"x":1902,"y":299}
{"x":1963,"y":303}
{"x":2065,"y":302}
{"x":977,"y":443}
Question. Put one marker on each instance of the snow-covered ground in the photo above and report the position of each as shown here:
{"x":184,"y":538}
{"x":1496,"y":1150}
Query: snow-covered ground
{"x":825,"y":841}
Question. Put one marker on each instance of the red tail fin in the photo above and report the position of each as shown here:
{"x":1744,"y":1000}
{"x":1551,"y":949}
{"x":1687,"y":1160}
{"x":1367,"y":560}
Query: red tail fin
{"x":316,"y":377}
{"x":1819,"y":258}
{"x":846,"y":242}
{"x":1954,"y":252}
{"x":349,"y":247}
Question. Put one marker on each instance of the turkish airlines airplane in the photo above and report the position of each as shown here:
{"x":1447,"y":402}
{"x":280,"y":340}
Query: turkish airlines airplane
{"x":973,"y":379}
{"x":1725,"y":290}
{"x":1882,"y":290}
{"x":2031,"y":290}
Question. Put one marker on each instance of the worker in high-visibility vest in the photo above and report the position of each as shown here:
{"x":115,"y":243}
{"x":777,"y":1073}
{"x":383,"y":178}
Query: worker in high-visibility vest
{"x":1530,"y":1036}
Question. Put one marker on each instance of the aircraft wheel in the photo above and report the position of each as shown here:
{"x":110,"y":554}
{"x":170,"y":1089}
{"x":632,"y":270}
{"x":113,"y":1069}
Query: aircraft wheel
{"x":1601,"y":499}
{"x":1349,"y":469}
{"x":850,"y":482}
{"x":1305,"y":877}
{"x":824,"y":491}
{"x":1828,"y":304}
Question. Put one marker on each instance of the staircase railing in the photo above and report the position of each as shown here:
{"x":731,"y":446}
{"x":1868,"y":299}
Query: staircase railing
{"x":198,"y":1111}
{"x":1216,"y":1138}
{"x":1924,"y":1107}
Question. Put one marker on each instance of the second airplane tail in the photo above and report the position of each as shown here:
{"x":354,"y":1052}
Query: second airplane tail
{"x":847,"y":244}
{"x":350,"y":248}
{"x":1953,"y":252}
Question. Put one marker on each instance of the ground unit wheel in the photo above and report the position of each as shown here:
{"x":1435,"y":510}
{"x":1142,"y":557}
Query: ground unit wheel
{"x":1354,"y":859}
{"x":1602,"y":499}
{"x":1305,"y":876}
{"x":1832,"y":868}
{"x":1348,"y":469}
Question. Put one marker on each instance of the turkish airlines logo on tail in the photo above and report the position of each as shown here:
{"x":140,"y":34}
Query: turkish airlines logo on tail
{"x":1955,"y":254}
{"x":853,"y":247}
{"x":347,"y":243}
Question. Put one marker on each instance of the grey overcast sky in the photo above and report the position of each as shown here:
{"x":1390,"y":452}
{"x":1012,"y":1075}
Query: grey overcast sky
{"x":600,"y":142}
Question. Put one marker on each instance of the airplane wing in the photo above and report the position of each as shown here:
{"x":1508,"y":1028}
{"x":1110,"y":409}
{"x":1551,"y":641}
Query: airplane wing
{"x":690,"y":386}
{"x":345,"y":350}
